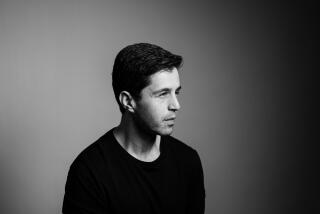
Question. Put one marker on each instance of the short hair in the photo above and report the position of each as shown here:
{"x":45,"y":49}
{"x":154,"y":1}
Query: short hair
{"x":134,"y":65}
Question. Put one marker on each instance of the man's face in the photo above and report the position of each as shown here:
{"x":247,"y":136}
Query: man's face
{"x":156,"y":109}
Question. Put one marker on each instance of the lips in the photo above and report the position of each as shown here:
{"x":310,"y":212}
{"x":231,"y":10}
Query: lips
{"x":170,"y":118}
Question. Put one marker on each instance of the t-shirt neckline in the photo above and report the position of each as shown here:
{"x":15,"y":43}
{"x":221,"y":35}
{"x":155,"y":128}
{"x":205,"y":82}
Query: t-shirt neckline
{"x":152,"y":164}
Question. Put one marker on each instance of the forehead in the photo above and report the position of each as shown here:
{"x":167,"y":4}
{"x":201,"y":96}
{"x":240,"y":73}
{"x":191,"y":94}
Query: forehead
{"x":164,"y":79}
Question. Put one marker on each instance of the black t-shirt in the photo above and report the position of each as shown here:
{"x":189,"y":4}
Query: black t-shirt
{"x":104,"y":178}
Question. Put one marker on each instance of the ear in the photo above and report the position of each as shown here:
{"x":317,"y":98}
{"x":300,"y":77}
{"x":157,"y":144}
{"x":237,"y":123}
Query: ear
{"x":127,"y":101}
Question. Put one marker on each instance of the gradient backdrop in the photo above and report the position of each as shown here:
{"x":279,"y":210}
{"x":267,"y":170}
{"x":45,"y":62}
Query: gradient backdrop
{"x":244,"y":100}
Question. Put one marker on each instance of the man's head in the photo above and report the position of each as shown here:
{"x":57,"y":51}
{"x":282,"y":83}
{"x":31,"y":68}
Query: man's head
{"x":135,"y":64}
{"x":146,"y":84}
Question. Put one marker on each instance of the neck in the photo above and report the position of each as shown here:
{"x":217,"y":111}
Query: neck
{"x":138,"y":143}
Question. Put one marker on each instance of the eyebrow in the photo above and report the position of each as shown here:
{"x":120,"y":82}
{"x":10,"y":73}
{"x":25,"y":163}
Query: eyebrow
{"x":166,"y":90}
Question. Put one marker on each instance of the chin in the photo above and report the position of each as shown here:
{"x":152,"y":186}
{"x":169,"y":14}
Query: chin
{"x":165,"y":131}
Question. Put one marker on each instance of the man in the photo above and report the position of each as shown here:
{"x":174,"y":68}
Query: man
{"x":138,"y":167}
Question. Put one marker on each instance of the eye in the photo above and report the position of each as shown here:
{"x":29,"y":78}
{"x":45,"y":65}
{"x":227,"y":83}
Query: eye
{"x":177,"y":92}
{"x":163,"y":94}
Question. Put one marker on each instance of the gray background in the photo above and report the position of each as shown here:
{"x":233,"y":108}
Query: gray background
{"x":243,"y":101}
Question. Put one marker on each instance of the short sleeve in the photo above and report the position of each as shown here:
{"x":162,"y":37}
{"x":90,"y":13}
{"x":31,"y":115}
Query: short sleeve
{"x":83,"y":195}
{"x":196,"y":194}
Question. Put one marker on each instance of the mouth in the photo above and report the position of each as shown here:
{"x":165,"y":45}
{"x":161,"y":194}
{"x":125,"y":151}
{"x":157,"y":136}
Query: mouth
{"x":170,"y":121}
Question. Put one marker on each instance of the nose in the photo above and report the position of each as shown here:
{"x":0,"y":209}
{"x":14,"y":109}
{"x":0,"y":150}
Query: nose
{"x":174,"y":104}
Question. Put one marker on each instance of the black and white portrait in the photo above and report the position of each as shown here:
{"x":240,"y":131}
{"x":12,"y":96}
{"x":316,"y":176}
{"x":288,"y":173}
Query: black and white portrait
{"x":152,"y":106}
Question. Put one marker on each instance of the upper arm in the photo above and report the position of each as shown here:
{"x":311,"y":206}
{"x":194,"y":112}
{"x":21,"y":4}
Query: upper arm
{"x":196,"y":194}
{"x":83,"y":193}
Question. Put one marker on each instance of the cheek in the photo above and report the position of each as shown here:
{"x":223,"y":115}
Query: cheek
{"x":153,"y":113}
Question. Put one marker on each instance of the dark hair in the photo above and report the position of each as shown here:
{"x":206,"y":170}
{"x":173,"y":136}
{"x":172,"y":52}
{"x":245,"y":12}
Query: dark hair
{"x":134,"y":65}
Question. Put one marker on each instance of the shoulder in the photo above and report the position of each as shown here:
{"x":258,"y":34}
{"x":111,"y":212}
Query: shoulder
{"x":181,"y":150}
{"x":176,"y":144}
{"x":93,"y":156}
